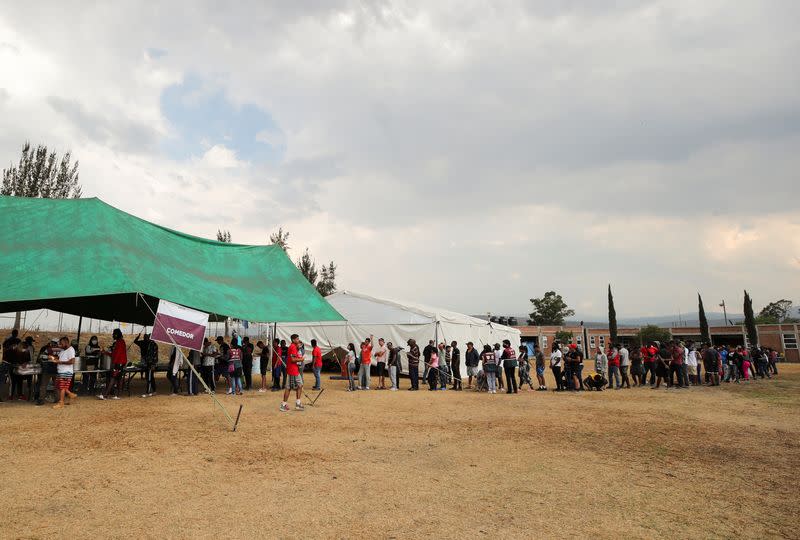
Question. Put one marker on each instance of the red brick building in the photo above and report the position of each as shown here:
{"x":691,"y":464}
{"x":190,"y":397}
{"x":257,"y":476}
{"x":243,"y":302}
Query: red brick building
{"x":784,"y":338}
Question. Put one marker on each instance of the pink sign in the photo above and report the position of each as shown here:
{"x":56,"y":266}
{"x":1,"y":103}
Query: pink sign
{"x":179,"y":325}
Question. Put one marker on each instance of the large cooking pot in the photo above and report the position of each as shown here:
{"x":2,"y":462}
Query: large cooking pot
{"x":78,"y":364}
{"x":105,"y":361}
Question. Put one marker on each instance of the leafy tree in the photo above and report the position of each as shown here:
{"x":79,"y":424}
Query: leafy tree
{"x":564,"y":336}
{"x":550,"y":310}
{"x":612,"y":316}
{"x":776,"y":312}
{"x":41,"y":173}
{"x":224,"y":236}
{"x":327,"y":281}
{"x":704,"y":331}
{"x":750,"y":320}
{"x":308,"y":267}
{"x":280,"y":238}
{"x":651,"y":332}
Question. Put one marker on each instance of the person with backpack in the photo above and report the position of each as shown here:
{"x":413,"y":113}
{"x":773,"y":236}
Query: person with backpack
{"x":498,"y":354}
{"x":524,"y":368}
{"x":490,"y":368}
{"x":509,"y":366}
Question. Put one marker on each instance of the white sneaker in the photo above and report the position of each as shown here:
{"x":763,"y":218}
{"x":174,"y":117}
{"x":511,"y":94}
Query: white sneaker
{"x":145,"y":395}
{"x":367,"y":388}
{"x":260,"y":390}
{"x":393,"y":389}
{"x":101,"y":397}
{"x":115,"y":397}
{"x":151,"y":394}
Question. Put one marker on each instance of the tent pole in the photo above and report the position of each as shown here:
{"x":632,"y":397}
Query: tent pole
{"x":78,"y":339}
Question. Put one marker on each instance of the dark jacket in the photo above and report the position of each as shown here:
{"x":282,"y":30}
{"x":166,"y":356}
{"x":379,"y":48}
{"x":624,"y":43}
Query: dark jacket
{"x":472,"y":358}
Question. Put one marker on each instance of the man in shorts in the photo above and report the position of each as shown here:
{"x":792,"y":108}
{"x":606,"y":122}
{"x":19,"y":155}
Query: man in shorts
{"x":294,"y":379}
{"x":64,"y":363}
{"x":539,"y":356}
{"x":381,"y":355}
{"x":471,"y":359}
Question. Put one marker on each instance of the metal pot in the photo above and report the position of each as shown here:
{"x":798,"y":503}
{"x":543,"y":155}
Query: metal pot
{"x":105,"y":361}
{"x":77,"y":366}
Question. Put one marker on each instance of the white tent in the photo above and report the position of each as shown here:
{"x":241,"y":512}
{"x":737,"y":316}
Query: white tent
{"x":397,"y":322}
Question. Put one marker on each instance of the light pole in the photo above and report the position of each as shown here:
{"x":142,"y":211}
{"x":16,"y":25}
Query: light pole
{"x":724,"y":312}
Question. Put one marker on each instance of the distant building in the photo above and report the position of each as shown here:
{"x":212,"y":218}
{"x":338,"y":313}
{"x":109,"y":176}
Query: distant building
{"x":781,"y":337}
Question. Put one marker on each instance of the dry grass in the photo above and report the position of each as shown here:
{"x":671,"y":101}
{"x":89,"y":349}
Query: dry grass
{"x":709,"y":463}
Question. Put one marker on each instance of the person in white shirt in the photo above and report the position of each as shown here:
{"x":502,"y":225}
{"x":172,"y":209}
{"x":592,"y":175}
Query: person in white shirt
{"x":624,"y":365}
{"x":381,"y":355}
{"x":64,"y":371}
{"x":691,"y":364}
{"x":556,"y":364}
{"x":601,"y":362}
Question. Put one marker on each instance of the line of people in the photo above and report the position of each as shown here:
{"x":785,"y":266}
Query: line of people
{"x":673,"y":364}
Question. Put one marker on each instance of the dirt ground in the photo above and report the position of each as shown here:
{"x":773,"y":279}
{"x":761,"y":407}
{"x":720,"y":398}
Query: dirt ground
{"x":711,"y":463}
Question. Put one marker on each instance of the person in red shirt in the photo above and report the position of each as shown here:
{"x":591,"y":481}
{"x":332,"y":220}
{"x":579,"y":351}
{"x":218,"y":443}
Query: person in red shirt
{"x":649,"y":353}
{"x":294,"y":365}
{"x":366,"y":358}
{"x":119,"y":359}
{"x":316,"y":365}
{"x":676,"y":364}
{"x":613,"y":368}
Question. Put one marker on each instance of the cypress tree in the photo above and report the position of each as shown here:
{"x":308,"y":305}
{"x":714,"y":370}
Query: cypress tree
{"x":704,"y":331}
{"x":750,"y":320}
{"x":612,"y":317}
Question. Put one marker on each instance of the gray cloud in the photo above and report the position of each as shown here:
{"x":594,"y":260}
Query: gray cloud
{"x":437,"y":130}
{"x":120,"y":133}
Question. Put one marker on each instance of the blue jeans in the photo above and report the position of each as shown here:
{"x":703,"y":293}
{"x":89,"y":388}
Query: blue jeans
{"x":413,"y":373}
{"x":613,"y":373}
{"x":318,"y":382}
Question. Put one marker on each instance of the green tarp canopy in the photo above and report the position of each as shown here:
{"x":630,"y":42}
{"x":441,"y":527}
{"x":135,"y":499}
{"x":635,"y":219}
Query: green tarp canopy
{"x":84,"y":257}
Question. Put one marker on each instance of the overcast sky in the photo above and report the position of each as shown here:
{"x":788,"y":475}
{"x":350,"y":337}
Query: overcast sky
{"x":463,"y":154}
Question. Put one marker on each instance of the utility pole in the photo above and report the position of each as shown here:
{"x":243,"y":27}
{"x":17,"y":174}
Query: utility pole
{"x":724,"y":312}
